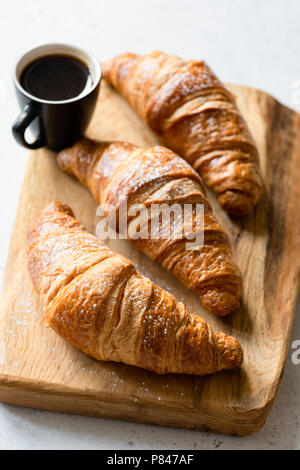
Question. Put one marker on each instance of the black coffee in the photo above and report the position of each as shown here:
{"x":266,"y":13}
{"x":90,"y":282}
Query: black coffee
{"x":56,"y":77}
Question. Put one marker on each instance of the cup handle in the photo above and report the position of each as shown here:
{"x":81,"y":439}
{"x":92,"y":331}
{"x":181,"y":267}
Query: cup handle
{"x":25,"y":118}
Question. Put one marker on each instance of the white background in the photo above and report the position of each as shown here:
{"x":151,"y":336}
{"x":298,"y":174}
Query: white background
{"x":251,"y":42}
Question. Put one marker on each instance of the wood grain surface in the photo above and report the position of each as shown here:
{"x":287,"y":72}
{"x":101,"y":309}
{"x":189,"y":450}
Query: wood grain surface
{"x":39,"y":369}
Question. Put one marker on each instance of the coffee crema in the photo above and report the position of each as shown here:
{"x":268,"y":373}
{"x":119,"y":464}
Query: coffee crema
{"x":56,"y":77}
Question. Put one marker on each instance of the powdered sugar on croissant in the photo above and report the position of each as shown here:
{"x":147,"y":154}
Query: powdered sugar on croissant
{"x":95,"y":299}
{"x":196,"y":116}
{"x":115,"y":171}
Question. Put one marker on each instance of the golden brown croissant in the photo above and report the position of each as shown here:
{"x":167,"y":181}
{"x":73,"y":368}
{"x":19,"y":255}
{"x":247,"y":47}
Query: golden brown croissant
{"x":95,"y":299}
{"x":196,"y":116}
{"x":117,"y":171}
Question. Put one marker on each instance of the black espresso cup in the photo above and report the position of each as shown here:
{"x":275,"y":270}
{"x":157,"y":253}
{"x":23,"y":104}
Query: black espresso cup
{"x":57,"y":123}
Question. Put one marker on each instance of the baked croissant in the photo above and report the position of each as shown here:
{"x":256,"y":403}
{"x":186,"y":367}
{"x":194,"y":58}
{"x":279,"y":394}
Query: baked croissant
{"x":96,"y":300}
{"x":196,"y":116}
{"x":117,"y":171}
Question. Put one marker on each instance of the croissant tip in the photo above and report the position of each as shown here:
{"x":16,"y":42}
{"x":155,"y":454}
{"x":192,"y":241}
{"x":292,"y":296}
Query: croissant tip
{"x":219,"y":301}
{"x":106,"y":66}
{"x":57,"y":206}
{"x":64,"y":160}
{"x":238,"y":203}
{"x":230,"y":351}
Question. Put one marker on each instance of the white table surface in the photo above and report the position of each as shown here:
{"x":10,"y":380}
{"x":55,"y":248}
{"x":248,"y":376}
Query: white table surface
{"x":254,"y":43}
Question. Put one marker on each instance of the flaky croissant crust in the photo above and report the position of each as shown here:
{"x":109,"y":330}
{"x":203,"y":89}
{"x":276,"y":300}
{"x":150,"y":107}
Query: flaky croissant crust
{"x":114,"y":171}
{"x":195,"y":115}
{"x":95,"y":299}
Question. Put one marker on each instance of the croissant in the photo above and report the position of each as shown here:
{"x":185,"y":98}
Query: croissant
{"x":96,"y":300}
{"x":195,"y":115}
{"x":118,"y":170}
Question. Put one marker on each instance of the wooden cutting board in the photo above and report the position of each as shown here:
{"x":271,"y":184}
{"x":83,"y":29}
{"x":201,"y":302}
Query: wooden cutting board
{"x":38,"y":369}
